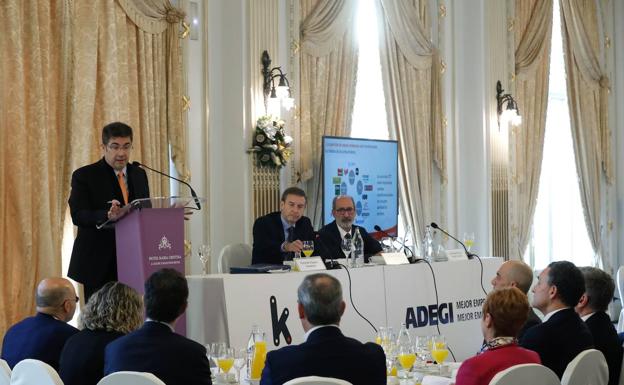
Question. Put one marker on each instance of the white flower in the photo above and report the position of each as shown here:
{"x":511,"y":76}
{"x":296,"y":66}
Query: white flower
{"x":288,"y":140}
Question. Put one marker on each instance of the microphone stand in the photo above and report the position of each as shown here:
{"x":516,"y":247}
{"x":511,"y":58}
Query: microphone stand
{"x":193,"y":194}
{"x":468,"y":253}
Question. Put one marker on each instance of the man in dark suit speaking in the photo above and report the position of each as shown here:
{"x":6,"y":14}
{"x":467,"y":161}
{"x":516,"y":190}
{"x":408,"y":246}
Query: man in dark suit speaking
{"x":592,"y":307}
{"x":562,"y":335}
{"x":155,"y":347}
{"x":98,"y":191}
{"x":326,"y":351}
{"x":278,"y":235}
{"x":332,"y":235}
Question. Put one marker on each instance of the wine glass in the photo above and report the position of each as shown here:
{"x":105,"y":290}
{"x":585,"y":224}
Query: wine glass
{"x":407,"y":357}
{"x":469,"y":239}
{"x":308,"y":248}
{"x":203,"y":252}
{"x":212,"y":351}
{"x":347,"y":246}
{"x":439,"y":350}
{"x":381,"y":333}
{"x":225,"y":359}
{"x":240,"y":359}
{"x":422,"y":348}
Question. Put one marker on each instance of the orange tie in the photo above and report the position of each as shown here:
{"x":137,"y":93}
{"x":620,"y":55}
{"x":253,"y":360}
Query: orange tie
{"x":122,"y":185}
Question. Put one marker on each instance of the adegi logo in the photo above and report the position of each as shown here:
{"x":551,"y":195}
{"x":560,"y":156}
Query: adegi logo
{"x":429,"y":315}
{"x":279,"y":324}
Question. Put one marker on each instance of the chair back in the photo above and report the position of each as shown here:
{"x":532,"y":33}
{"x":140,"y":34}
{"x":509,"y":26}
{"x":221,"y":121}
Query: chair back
{"x":316,"y":380}
{"x":588,"y":367}
{"x":130,"y":378}
{"x":522,"y":374}
{"x":5,"y":373}
{"x":34,"y":372}
{"x":622,"y":371}
{"x":234,"y":255}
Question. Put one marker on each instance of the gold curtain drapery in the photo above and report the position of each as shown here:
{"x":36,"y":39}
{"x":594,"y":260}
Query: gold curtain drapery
{"x":328,"y":74}
{"x":588,"y":86}
{"x":412,"y":88}
{"x":532,"y":30}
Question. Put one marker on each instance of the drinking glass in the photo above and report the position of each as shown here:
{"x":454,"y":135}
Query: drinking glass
{"x":203,"y":252}
{"x":308,"y":248}
{"x":390,"y":350}
{"x":213,"y":353}
{"x":439,"y":350}
{"x":423,"y":348}
{"x":387,"y":243}
{"x":240,"y":359}
{"x":225,"y":358}
{"x":407,"y":357}
{"x":347,"y":246}
{"x":469,"y":239}
{"x":381,"y":333}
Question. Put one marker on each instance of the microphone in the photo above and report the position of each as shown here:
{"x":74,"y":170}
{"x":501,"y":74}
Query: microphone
{"x":377,"y":228}
{"x":138,"y":164}
{"x":468,"y":254}
{"x":332,"y":264}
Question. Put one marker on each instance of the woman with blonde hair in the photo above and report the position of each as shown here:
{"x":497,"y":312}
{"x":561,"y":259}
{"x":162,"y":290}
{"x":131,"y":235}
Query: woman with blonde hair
{"x":504,"y":313}
{"x":113,"y":311}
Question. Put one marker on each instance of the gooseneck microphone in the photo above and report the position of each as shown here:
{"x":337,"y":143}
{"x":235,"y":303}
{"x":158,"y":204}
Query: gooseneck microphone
{"x":331,"y":264}
{"x":468,"y":254}
{"x":377,"y":228}
{"x":138,"y":164}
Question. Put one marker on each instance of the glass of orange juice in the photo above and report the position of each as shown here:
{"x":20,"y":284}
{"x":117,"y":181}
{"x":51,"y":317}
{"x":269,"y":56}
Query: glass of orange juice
{"x":439,"y":350}
{"x":225,"y":359}
{"x":258,"y":359}
{"x":407,"y":358}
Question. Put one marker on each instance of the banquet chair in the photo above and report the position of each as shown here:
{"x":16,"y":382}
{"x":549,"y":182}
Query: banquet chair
{"x":234,"y":255}
{"x":315,"y":380}
{"x":620,"y":287}
{"x":5,"y":373}
{"x":130,"y":378}
{"x":622,"y":372}
{"x":533,"y":374}
{"x":34,"y":372}
{"x":588,"y":367}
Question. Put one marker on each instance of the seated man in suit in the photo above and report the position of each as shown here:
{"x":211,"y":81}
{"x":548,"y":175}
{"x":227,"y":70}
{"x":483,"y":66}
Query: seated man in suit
{"x":562,"y":335}
{"x":332,"y":234}
{"x":592,"y":307}
{"x":155,"y":347}
{"x":43,"y":336}
{"x":326,"y":351}
{"x":518,"y":274}
{"x":278,"y":235}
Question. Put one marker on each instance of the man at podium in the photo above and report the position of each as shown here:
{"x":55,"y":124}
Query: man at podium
{"x":98,"y":191}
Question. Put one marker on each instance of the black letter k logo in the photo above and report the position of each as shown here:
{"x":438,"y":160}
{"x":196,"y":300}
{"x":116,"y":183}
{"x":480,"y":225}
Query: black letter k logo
{"x":279,"y":326}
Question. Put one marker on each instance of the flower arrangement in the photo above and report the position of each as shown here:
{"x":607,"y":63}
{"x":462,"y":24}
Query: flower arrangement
{"x":270,"y":143}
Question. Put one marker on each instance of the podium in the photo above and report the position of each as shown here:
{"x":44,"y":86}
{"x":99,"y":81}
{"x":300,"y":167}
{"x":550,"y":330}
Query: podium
{"x":150,"y":237}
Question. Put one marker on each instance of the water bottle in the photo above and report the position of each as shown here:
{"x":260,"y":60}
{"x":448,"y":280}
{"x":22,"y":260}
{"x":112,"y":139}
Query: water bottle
{"x":358,"y":248}
{"x":404,"y":339}
{"x":427,"y":252}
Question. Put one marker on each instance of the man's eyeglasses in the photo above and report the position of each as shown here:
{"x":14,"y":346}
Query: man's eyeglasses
{"x":343,"y":210}
{"x":116,"y":147}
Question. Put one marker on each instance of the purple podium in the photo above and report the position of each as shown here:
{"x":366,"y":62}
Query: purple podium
{"x":150,"y":237}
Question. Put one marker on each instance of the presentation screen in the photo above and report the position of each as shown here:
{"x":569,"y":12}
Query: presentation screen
{"x":367,"y":170}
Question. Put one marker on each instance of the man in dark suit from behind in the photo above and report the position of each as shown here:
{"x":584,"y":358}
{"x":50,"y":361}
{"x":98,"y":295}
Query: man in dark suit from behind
{"x":592,"y":307}
{"x":514,"y":273}
{"x":326,"y":351}
{"x":155,"y":347}
{"x":98,"y":191}
{"x":562,"y":335}
{"x":332,"y":234}
{"x":278,"y":235}
{"x":43,"y":336}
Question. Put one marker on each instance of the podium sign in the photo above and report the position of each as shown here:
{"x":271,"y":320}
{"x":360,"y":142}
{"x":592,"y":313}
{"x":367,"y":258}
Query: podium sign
{"x":148,"y":240}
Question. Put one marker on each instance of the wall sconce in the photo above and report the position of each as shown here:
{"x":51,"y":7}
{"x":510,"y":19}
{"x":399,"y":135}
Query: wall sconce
{"x":510,"y":113}
{"x":274,"y":95}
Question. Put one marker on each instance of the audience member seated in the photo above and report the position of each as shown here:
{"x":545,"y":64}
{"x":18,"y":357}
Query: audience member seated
{"x":562,"y":335}
{"x":114,"y":310}
{"x":518,"y":274}
{"x":278,"y":235}
{"x":332,"y":234}
{"x":592,"y":307}
{"x":42,"y":337}
{"x":504,"y":313}
{"x":155,"y":347}
{"x":326,"y":351}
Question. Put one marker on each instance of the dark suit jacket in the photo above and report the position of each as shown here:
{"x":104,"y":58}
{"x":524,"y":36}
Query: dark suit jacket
{"x":331,"y":240}
{"x":327,"y":353}
{"x":93,"y":260}
{"x":154,"y":348}
{"x":606,"y":340}
{"x":559,"y":339}
{"x":268,"y":236}
{"x":40,"y":337}
{"x":82,"y":358}
{"x":533,"y":320}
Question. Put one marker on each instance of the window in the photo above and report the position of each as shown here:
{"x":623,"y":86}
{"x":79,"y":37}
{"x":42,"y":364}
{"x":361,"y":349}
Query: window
{"x":559,"y":231}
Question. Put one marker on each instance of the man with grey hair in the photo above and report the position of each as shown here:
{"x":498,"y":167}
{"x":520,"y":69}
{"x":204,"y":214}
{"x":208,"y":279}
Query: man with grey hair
{"x":332,"y":234}
{"x":518,"y":274}
{"x":592,"y":307}
{"x":43,"y":336}
{"x":326,"y":351}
